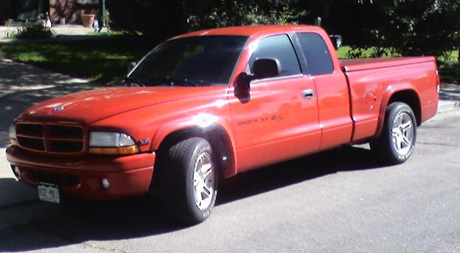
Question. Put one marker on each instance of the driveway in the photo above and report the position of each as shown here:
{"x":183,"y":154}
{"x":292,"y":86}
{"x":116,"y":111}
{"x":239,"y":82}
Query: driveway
{"x":22,"y":86}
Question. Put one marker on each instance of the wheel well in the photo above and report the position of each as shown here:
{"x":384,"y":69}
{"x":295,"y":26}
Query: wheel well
{"x":411,"y":98}
{"x":216,"y":136}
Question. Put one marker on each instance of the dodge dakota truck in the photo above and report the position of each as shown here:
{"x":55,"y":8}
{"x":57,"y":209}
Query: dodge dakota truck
{"x":211,"y":104}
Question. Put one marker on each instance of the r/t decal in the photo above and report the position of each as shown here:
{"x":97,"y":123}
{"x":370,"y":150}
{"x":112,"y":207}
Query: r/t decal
{"x":274,"y":118}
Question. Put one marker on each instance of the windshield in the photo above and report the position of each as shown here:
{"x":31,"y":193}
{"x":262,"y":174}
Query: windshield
{"x":194,"y":61}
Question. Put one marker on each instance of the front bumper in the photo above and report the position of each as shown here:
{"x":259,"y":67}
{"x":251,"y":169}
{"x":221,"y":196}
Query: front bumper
{"x":82,"y":177}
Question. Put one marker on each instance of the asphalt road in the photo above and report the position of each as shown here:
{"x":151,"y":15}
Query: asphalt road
{"x":336,"y":201}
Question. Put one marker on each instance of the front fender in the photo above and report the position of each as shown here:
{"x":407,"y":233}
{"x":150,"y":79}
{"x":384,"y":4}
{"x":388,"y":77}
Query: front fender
{"x":214,"y":128}
{"x":200,"y":122}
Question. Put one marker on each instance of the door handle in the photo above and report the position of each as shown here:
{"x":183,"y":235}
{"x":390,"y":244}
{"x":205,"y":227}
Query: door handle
{"x":308,"y":94}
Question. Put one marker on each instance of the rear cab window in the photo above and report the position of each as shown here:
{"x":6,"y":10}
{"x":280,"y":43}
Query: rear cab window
{"x":317,"y":53}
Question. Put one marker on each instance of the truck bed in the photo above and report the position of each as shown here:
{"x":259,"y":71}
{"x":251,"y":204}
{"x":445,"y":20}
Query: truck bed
{"x":350,"y":65}
{"x":372,"y":81}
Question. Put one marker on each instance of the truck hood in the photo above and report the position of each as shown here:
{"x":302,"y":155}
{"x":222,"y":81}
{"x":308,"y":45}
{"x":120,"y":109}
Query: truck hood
{"x":91,"y":106}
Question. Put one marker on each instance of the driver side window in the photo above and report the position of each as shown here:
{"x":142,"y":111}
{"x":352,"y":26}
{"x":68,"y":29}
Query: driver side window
{"x":278,"y":47}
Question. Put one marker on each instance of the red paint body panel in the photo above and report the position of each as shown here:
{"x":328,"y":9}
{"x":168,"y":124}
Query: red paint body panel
{"x":374,"y":81}
{"x":334,"y":110}
{"x":129,"y":175}
{"x":276,"y":123}
{"x":275,"y":117}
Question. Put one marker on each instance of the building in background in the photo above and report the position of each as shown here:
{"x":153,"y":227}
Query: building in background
{"x":60,"y":11}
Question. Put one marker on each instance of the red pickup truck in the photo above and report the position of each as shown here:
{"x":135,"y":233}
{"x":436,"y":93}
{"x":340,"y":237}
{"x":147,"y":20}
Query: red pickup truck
{"x":212,"y":104}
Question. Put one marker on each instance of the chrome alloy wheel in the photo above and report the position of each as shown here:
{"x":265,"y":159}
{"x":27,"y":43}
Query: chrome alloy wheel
{"x":203,"y":181}
{"x":403,"y":133}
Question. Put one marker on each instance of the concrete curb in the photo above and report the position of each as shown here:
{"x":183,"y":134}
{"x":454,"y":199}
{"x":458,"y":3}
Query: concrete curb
{"x":445,"y":106}
{"x":449,"y":97}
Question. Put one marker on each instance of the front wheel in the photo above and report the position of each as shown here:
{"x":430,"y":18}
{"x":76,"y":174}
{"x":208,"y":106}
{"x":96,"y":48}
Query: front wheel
{"x":396,"y":143}
{"x":189,"y":182}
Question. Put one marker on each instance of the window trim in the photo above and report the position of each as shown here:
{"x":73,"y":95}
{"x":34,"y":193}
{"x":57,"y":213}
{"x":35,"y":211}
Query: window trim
{"x":277,"y":78}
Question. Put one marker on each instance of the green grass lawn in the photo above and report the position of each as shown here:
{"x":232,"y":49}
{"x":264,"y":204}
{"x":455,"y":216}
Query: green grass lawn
{"x":104,"y":59}
{"x":100,"y":59}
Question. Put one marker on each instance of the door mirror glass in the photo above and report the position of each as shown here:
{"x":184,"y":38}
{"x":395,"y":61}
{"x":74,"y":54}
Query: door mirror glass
{"x":266,"y":67}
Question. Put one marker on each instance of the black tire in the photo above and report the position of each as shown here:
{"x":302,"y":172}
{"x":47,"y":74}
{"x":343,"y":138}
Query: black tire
{"x":396,"y":143}
{"x":188,"y":187}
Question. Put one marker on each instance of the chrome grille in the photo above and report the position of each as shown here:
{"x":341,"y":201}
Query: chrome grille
{"x":50,"y":138}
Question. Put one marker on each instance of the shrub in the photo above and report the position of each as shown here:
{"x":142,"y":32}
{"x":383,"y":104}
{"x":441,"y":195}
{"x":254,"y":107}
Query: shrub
{"x":34,"y":31}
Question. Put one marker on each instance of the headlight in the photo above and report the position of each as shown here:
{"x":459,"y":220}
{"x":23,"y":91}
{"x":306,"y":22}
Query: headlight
{"x":109,"y":139}
{"x":12,"y":134}
{"x":110,"y":143}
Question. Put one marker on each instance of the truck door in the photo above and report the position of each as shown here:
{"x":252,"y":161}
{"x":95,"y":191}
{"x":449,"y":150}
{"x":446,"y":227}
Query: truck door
{"x":332,"y":90}
{"x":280,"y":118}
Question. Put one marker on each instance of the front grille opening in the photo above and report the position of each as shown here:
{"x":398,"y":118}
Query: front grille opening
{"x":35,"y":176}
{"x":33,"y":130}
{"x":70,"y":181}
{"x":65,"y":146}
{"x":66,"y":132}
{"x":51,"y":138}
{"x":31,"y":143}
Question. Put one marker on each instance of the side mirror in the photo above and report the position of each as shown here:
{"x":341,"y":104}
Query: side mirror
{"x":131,"y":66}
{"x":266,"y":67}
{"x":242,"y":86}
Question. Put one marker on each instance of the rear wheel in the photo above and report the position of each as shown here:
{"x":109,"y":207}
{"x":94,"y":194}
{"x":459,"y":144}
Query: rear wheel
{"x":188,"y":187}
{"x":396,"y":143}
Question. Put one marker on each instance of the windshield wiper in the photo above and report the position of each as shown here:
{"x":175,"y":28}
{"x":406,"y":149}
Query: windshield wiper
{"x":131,"y":82}
{"x":165,"y":81}
{"x":179,"y":82}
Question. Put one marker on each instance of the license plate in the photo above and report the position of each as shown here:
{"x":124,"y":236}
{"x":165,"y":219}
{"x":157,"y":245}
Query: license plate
{"x":48,"y":192}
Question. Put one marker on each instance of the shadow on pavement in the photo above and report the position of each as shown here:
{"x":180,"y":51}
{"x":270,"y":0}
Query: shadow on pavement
{"x":347,"y":158}
{"x":78,"y":222}
{"x":22,"y":86}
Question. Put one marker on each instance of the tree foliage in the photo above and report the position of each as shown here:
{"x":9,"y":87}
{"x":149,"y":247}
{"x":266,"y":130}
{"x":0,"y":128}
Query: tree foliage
{"x":165,"y":18}
{"x":251,"y":12}
{"x":407,"y":27}
{"x":423,"y":27}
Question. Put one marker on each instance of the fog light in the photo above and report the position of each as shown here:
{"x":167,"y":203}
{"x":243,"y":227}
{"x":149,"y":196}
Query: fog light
{"x":105,"y":183}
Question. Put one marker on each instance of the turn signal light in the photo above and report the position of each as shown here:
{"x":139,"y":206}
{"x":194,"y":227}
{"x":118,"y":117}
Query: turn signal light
{"x":115,"y":151}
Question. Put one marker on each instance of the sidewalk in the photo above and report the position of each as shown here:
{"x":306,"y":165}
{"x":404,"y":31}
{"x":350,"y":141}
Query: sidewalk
{"x":449,"y":97}
{"x":58,"y":30}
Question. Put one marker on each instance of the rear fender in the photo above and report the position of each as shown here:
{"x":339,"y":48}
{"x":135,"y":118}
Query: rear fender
{"x":403,"y":92}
